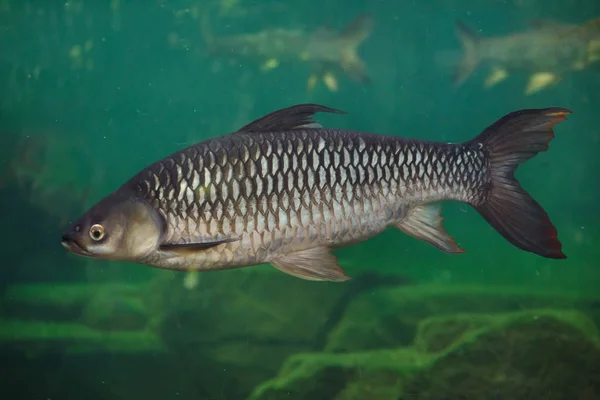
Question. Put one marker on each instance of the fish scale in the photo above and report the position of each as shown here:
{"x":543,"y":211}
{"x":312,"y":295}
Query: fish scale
{"x":349,"y":184}
{"x":286,"y":191}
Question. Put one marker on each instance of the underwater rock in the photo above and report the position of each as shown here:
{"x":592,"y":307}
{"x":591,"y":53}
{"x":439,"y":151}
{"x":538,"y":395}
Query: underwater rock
{"x":258,"y":304}
{"x":376,"y":375}
{"x":550,"y":355}
{"x":436,"y":334}
{"x":76,"y":318}
{"x":245,"y":323}
{"x":100,"y":306}
{"x":390,"y":317}
{"x":537,"y":354}
{"x":37,"y":338}
{"x":108,"y":310}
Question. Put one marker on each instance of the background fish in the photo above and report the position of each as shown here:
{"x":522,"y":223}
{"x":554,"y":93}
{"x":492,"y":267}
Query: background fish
{"x":546,"y":51}
{"x":285,"y":190}
{"x":326,"y":50}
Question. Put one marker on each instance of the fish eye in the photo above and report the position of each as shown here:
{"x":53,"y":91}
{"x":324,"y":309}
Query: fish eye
{"x":97,"y":232}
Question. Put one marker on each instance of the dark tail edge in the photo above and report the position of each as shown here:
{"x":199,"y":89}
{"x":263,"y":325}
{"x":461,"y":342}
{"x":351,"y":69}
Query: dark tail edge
{"x":469,"y":42}
{"x":509,"y":142}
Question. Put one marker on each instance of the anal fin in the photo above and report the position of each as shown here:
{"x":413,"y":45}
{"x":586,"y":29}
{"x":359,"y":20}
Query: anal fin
{"x":316,"y":264}
{"x":425,"y":223}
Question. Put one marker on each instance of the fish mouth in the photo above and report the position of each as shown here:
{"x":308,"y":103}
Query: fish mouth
{"x":73,"y":246}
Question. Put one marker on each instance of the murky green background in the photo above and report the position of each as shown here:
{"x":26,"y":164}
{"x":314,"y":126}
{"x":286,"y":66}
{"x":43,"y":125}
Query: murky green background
{"x":93,"y":91}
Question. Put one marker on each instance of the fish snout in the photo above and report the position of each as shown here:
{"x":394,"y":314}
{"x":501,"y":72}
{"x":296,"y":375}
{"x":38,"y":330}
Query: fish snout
{"x":67,"y":237}
{"x":69,"y":242}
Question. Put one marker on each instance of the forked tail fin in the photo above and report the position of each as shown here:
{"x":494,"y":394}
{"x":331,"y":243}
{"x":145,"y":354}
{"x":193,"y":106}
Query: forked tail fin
{"x":356,"y":32}
{"x":470,"y":57}
{"x":511,"y":141}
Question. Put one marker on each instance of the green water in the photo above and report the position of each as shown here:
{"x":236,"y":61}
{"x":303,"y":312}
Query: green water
{"x":93,"y":91}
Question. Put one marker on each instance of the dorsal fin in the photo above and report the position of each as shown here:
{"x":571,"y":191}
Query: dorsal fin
{"x":289,"y":118}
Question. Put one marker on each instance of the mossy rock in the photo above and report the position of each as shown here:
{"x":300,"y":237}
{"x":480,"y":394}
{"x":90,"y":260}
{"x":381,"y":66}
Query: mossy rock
{"x":546,"y":354}
{"x":109,"y":312}
{"x":37,"y":337}
{"x":104,"y":306}
{"x":245,"y":323}
{"x":390,"y":317}
{"x":256,"y":303}
{"x":374,"y":375}
{"x":436,"y":334}
{"x":549,"y":354}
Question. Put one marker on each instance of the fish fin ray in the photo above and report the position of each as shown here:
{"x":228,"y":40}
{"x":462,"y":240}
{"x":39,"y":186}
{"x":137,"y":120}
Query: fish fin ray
{"x":424,"y":222}
{"x":507,"y":207}
{"x":316,"y":264}
{"x":192,"y":247}
{"x":298,"y":116}
{"x":470,"y":58}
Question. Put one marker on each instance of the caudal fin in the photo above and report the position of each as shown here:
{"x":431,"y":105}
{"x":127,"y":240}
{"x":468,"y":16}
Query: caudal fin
{"x":511,"y":141}
{"x":470,"y":57}
{"x":356,"y":32}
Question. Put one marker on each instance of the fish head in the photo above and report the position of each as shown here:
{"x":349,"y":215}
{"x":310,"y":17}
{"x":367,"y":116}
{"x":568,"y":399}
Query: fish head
{"x":120,"y":228}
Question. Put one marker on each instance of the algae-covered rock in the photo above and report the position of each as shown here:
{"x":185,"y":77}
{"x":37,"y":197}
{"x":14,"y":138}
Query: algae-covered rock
{"x":245,"y":323}
{"x":101,"y":306}
{"x":258,"y":303}
{"x":247,"y":304}
{"x":531,"y":355}
{"x":436,"y":334}
{"x":107,"y":311}
{"x":389,"y":317}
{"x":37,"y":337}
{"x":536,"y":354}
{"x":376,"y":375}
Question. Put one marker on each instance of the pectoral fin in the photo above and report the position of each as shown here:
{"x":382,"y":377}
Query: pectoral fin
{"x":539,"y":81}
{"x":316,"y":264}
{"x":496,"y":76}
{"x":425,"y":223}
{"x":193,"y":247}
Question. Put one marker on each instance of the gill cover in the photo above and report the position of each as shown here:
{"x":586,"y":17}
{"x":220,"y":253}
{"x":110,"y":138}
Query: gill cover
{"x":131,"y":230}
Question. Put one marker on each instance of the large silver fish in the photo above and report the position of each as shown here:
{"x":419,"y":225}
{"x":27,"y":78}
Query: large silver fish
{"x":284,"y":190}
